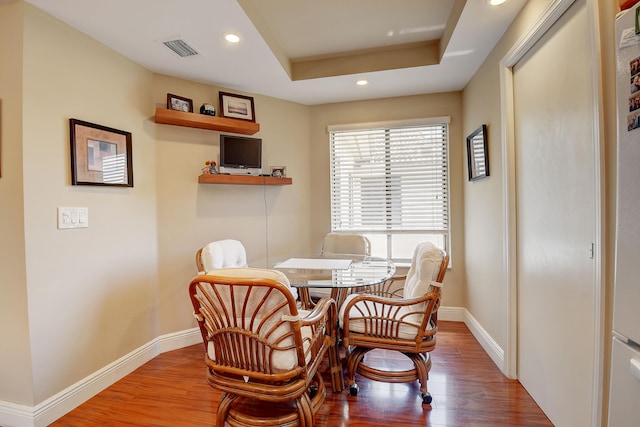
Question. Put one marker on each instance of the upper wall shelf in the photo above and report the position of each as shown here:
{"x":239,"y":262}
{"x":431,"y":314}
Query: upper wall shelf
{"x":202,"y":121}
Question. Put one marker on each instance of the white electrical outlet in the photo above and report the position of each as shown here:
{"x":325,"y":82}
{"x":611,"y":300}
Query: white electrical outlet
{"x":73,"y":217}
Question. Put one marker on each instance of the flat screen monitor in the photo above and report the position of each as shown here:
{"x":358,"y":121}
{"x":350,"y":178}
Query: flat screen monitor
{"x":239,"y":154}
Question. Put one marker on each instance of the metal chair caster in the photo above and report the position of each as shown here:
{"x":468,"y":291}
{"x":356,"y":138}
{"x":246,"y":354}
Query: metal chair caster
{"x":427,"y":398}
{"x":353,"y":389}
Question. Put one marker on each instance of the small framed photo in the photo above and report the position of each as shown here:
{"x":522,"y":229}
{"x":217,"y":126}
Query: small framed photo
{"x":100,"y":155}
{"x":175,"y":102}
{"x":478,"y":154}
{"x":237,"y":107}
{"x":278,"y":171}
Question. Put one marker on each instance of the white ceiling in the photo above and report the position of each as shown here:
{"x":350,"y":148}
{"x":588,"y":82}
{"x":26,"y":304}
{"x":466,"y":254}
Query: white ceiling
{"x":276,"y":33}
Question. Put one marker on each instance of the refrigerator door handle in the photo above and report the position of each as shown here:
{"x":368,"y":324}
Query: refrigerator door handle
{"x":635,"y":368}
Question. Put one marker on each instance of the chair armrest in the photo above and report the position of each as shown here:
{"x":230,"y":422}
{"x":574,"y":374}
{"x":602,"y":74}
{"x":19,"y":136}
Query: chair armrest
{"x":322,"y":322}
{"x":324,"y":307}
{"x":386,"y":288}
{"x":397,"y":302}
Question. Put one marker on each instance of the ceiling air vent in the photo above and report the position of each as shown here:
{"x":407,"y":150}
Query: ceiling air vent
{"x":181,"y":48}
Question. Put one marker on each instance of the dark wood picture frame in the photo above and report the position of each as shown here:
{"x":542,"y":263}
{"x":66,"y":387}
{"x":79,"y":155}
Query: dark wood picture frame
{"x":237,"y":107}
{"x":478,"y":154}
{"x":100,"y":155}
{"x":179,"y":103}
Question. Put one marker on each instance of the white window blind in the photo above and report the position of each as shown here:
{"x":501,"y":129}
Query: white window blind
{"x":390,"y":179}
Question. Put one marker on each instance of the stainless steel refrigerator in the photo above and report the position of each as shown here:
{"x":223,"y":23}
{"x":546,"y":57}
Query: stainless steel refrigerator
{"x":624,"y":402}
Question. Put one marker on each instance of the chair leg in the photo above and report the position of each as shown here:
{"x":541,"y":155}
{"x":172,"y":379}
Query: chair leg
{"x":223,"y":408}
{"x":305,"y":412}
{"x":354,"y":357}
{"x":422,"y":363}
{"x":421,"y":367}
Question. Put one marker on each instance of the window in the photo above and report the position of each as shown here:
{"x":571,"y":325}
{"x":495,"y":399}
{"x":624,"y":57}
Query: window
{"x":389,"y":181}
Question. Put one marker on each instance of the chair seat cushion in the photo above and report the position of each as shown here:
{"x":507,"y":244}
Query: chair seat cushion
{"x":258,"y":273}
{"x":360,"y":321}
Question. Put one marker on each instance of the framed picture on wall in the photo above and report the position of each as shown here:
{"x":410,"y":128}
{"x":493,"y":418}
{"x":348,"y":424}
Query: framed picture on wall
{"x":237,"y":107}
{"x":100,"y":155}
{"x":478,"y":154}
{"x":178,"y":103}
{"x":279,"y":171}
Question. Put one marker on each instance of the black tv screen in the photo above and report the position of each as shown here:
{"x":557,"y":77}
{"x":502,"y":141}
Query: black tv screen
{"x":240,"y":152}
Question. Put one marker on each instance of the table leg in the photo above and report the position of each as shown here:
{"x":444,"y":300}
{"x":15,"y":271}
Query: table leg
{"x":335,"y":366}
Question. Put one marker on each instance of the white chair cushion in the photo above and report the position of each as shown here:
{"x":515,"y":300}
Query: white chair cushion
{"x":223,"y":254}
{"x":425,"y":266}
{"x":336,"y":244}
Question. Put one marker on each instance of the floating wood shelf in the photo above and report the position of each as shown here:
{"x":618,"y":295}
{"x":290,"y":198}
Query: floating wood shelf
{"x":202,"y":121}
{"x":242,"y":179}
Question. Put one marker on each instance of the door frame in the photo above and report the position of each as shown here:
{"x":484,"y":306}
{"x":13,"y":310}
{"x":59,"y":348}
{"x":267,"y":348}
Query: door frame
{"x":546,"y":20}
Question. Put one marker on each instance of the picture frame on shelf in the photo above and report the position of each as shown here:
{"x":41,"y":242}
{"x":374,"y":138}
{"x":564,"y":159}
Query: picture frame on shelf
{"x":100,"y":155}
{"x":237,"y":106}
{"x":179,"y":103}
{"x":279,"y":171}
{"x":478,"y":154}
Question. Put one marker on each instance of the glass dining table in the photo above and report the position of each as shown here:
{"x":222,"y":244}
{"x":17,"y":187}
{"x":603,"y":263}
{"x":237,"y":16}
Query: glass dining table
{"x":341,"y":274}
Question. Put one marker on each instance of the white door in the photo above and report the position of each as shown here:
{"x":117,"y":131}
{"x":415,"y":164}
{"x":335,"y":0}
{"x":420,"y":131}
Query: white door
{"x":555,"y":169}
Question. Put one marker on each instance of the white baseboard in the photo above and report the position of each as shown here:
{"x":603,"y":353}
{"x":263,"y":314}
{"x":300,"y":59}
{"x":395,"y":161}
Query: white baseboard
{"x":43,"y":414}
{"x":460,"y":314}
{"x":452,"y":314}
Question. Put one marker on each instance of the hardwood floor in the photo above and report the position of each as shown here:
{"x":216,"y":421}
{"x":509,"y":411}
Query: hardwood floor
{"x":467,"y":388}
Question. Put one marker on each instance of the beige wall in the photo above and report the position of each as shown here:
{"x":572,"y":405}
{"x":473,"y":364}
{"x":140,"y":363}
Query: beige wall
{"x":435,"y":105}
{"x":92,"y":292}
{"x":15,"y":354}
{"x":270,"y":221}
{"x":75,"y":301}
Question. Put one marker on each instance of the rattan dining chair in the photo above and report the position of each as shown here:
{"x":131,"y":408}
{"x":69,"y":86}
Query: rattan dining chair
{"x":260,"y":349}
{"x":403,"y":320}
{"x":339,"y":243}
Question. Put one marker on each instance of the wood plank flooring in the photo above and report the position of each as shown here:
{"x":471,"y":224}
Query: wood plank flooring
{"x":467,"y":388}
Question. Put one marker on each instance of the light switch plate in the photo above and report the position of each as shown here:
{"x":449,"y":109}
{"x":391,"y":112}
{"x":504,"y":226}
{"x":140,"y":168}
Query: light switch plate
{"x":73,"y":217}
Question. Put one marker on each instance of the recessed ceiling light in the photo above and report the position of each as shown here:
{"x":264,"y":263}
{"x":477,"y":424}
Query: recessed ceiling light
{"x":362,"y":82}
{"x":232,"y":38}
{"x":496,"y":2}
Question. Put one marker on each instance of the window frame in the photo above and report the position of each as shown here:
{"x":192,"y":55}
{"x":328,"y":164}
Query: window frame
{"x":387,"y":125}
